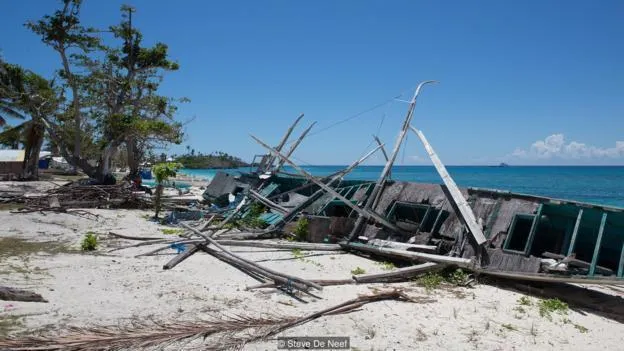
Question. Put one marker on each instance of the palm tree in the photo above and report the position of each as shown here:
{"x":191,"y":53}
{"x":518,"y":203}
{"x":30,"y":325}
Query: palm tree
{"x":24,"y":93}
{"x":11,"y":81}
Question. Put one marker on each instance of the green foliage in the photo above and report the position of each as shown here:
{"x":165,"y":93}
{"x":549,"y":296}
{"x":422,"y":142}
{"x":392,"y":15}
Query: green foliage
{"x":301,"y":229}
{"x":457,"y":277}
{"x":166,"y":170}
{"x":358,"y":271}
{"x":524,"y":301}
{"x":387,"y":266}
{"x":509,"y":327}
{"x":172,"y":231}
{"x":256,"y":209}
{"x":89,"y":242}
{"x":431,"y":280}
{"x":254,"y":222}
{"x":581,"y":328}
{"x":549,"y":306}
{"x":214,"y":160}
{"x":297,"y":253}
{"x":108,"y":94}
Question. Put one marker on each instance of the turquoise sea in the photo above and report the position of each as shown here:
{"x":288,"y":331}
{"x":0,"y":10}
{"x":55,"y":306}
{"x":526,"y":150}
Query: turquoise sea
{"x":595,"y":184}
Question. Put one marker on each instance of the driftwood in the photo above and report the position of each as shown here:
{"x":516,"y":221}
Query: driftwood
{"x":265,"y":271}
{"x":403,"y":246}
{"x":130,"y":237}
{"x":13,"y":294}
{"x":281,"y":245}
{"x":179,"y":258}
{"x":400,"y":274}
{"x":410,"y":255}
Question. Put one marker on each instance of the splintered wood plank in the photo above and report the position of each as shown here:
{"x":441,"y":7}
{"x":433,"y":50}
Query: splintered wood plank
{"x":464,"y":208}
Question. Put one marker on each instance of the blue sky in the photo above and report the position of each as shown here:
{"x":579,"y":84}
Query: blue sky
{"x":524,"y":82}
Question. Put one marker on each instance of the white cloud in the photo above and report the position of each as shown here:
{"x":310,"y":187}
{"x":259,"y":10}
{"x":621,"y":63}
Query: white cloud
{"x":555,"y":146}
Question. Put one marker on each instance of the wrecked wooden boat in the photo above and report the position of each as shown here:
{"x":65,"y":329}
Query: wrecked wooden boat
{"x":494,"y":232}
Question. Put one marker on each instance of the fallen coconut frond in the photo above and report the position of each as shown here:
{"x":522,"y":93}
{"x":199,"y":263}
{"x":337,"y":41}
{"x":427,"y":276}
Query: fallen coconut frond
{"x":216,"y":334}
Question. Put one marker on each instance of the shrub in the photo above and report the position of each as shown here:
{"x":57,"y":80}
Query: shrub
{"x":358,"y":271}
{"x":547,"y":307}
{"x":301,"y":229}
{"x":431,"y":281}
{"x":89,"y":242}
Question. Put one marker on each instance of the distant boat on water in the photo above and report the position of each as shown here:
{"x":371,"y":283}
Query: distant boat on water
{"x":503,"y":164}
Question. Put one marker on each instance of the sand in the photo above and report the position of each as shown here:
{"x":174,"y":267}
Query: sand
{"x":104,"y":288}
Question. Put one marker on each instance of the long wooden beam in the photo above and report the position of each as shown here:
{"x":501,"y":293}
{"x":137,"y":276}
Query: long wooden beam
{"x":363,"y":212}
{"x":410,"y":255}
{"x":465,"y":212}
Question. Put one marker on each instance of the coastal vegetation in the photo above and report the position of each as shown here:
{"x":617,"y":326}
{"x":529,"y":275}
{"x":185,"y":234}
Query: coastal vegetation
{"x":216,"y":159}
{"x":103,"y":100}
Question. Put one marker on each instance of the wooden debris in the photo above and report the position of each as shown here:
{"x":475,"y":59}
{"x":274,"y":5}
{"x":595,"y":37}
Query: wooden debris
{"x":282,"y":245}
{"x":13,"y":294}
{"x":400,"y":274}
{"x":465,"y":212}
{"x":410,"y":255}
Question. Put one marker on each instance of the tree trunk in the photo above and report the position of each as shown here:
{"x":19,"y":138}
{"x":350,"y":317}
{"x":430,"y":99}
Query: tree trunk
{"x":159,"y":192}
{"x":34,"y":141}
{"x":75,"y":106}
{"x":133,"y":159}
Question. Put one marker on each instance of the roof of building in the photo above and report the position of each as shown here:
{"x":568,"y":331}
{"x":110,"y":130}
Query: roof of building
{"x":11,"y":155}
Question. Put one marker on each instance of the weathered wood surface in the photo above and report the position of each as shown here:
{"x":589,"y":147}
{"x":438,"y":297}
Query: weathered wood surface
{"x":293,"y":212}
{"x":268,"y":271}
{"x":398,"y":274}
{"x":13,"y":294}
{"x":270,"y":204}
{"x":181,"y":257}
{"x":365,"y":213}
{"x":281,"y":245}
{"x":401,"y":246}
{"x":456,"y":196}
{"x":410,"y":255}
{"x":375,"y":195}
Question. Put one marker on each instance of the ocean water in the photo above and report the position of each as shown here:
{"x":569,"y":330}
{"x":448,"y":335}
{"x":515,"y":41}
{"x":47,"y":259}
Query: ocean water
{"x":594,"y":184}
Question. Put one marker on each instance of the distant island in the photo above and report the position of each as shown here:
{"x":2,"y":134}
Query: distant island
{"x":503,"y":164}
{"x":217,"y":159}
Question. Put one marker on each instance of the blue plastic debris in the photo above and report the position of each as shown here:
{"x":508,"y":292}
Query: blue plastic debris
{"x":180,"y":247}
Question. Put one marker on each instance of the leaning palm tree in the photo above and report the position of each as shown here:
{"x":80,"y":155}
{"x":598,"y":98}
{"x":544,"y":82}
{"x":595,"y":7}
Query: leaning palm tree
{"x":11,"y":83}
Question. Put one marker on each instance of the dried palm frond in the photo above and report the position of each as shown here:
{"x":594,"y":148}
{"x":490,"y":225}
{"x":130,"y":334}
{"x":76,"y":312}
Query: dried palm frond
{"x":217,"y":333}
